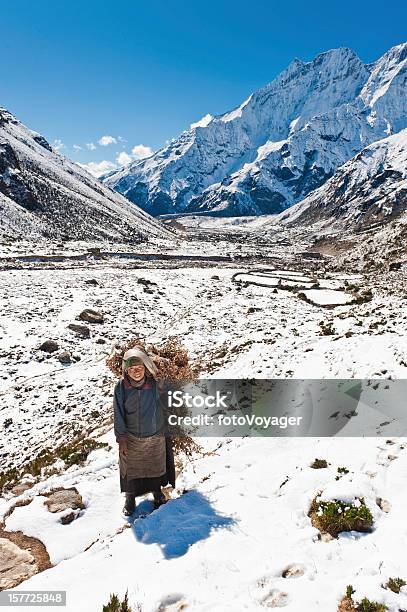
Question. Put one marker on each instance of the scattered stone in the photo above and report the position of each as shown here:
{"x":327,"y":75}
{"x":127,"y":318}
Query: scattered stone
{"x":20,"y":488}
{"x":395,"y":265}
{"x":64,"y":499}
{"x":64,"y":357}
{"x":293,"y":571}
{"x":49,"y":346}
{"x":80,"y":330}
{"x":91,"y":316}
{"x":275,"y":599}
{"x":16,"y":564}
{"x":383,"y":504}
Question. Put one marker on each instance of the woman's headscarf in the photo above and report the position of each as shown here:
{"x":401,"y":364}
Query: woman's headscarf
{"x":142,"y":355}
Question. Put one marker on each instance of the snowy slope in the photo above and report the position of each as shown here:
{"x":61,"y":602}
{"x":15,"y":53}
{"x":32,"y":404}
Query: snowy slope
{"x":284,"y":141}
{"x":239,"y":539}
{"x":43,"y":193}
{"x":370,"y":188}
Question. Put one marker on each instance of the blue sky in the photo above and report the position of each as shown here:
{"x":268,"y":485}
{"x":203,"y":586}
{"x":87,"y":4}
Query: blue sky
{"x":142,"y":71}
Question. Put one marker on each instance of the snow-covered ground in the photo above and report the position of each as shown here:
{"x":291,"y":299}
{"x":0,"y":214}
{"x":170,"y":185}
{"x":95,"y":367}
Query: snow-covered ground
{"x":236,"y":534}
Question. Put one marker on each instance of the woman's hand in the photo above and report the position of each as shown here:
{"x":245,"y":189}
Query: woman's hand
{"x":123,"y":447}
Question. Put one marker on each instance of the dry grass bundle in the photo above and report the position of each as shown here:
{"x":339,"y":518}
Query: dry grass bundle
{"x":171,"y":359}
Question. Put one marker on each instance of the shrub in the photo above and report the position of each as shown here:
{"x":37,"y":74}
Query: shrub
{"x":395,"y":584}
{"x":327,"y":329}
{"x":365,"y":605}
{"x":319,"y":464}
{"x":336,"y":516}
{"x":115,"y":605}
{"x":341,"y":471}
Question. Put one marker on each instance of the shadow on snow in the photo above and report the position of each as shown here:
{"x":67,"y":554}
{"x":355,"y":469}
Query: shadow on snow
{"x":178,"y":524}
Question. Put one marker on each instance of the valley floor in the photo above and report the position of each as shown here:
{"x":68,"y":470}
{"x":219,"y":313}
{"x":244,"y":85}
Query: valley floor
{"x":236,"y":534}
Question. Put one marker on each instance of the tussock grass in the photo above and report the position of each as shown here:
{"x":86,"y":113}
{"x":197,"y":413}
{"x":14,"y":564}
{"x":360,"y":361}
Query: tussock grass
{"x":336,"y":516}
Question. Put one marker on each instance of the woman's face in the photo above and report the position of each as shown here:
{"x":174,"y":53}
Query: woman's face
{"x":136,"y":371}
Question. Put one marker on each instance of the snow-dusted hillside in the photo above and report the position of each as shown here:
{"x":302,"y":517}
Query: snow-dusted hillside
{"x":370,"y":188}
{"x":284,"y":141}
{"x":44,"y":194}
{"x":235,"y":534}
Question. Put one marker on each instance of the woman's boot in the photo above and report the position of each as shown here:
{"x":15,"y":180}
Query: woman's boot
{"x":159,"y":498}
{"x":130,"y":504}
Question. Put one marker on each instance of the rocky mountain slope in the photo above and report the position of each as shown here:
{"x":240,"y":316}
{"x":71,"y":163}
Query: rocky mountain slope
{"x":284,"y":141}
{"x":369,"y":189}
{"x":44,"y":194}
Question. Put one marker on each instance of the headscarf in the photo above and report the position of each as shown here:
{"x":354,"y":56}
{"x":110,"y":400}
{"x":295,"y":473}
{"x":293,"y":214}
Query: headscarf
{"x":142,"y":355}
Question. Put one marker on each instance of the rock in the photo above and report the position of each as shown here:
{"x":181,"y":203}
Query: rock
{"x":20,"y":488}
{"x":68,"y":518}
{"x":64,"y":357}
{"x":91,"y":316}
{"x":91,"y":281}
{"x":16,"y":564}
{"x":100,"y":341}
{"x":49,"y":346}
{"x":383,"y":504}
{"x":80,"y":330}
{"x":326,"y":537}
{"x":395,"y":265}
{"x":64,"y":499}
{"x":293,"y":571}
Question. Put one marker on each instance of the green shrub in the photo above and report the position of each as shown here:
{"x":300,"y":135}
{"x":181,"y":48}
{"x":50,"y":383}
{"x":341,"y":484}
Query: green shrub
{"x":370,"y":606}
{"x":319,"y":464}
{"x":115,"y":605}
{"x":365,"y":605}
{"x":327,"y":329}
{"x":395,"y":584}
{"x":336,"y":516}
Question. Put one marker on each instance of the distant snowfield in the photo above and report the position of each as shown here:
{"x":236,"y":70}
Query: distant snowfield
{"x":225,"y":543}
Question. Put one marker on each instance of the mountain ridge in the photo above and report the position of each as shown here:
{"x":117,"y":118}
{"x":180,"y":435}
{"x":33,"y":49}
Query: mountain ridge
{"x":283,"y":141}
{"x":42,"y":193}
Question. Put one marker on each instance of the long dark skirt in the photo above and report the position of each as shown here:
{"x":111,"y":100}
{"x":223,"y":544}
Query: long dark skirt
{"x":140,"y":486}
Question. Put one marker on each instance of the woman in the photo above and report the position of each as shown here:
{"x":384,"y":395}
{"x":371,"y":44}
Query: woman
{"x":146,"y":459}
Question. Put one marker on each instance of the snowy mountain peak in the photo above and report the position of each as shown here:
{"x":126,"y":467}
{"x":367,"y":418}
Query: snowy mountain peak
{"x":283,"y":141}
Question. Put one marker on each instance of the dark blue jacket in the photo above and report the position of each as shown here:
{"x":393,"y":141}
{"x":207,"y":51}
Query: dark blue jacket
{"x":138,"y":411}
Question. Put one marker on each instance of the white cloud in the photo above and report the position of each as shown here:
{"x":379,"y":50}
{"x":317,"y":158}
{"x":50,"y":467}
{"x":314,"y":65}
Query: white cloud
{"x":140,"y":151}
{"x":58,"y":144}
{"x":104,"y":141}
{"x":77,"y":147}
{"x":99,"y":168}
{"x":123,"y":158}
{"x":91,"y":146}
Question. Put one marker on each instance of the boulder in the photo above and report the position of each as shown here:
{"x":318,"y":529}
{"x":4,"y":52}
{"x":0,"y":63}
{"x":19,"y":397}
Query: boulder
{"x":91,"y":316}
{"x":82,"y":331}
{"x":16,"y":564}
{"x":64,"y":357}
{"x":64,"y":499}
{"x":49,"y":346}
